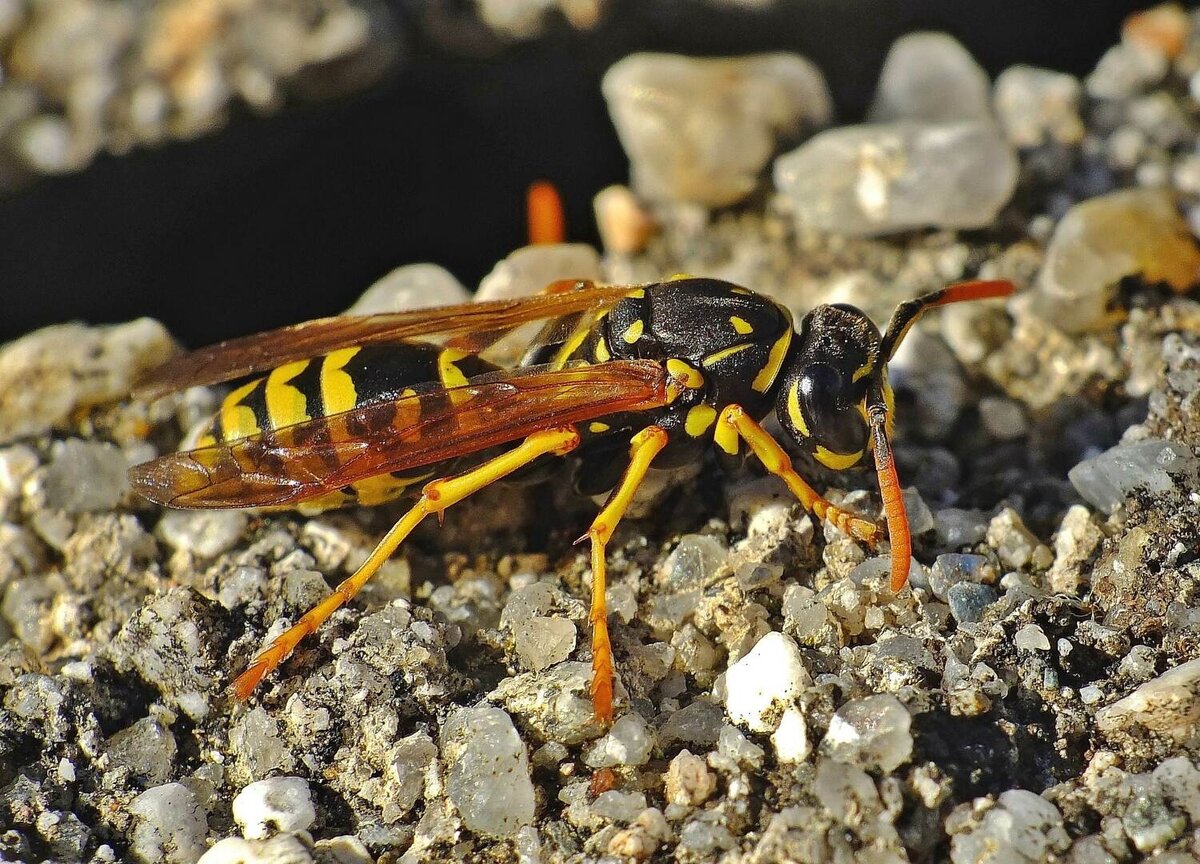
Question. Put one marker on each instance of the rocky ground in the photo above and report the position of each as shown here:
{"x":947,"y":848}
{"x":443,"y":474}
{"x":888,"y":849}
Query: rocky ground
{"x":1035,"y":695}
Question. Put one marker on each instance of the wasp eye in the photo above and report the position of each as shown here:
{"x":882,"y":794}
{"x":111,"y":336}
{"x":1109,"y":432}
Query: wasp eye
{"x":819,"y":406}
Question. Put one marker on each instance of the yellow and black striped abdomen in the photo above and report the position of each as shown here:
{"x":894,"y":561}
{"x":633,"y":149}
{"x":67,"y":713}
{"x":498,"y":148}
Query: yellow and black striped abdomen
{"x":320,"y":387}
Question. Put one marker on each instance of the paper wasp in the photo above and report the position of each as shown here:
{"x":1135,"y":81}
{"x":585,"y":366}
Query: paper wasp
{"x":366,"y":409}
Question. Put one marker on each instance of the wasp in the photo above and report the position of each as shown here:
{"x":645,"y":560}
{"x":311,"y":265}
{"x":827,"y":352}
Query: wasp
{"x":363,"y":410}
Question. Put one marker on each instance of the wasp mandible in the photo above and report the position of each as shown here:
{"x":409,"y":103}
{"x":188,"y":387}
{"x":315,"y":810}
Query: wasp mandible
{"x":362,"y":410}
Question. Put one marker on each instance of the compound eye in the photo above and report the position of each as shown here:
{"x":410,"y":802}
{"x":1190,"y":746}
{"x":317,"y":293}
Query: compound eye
{"x":832,"y":418}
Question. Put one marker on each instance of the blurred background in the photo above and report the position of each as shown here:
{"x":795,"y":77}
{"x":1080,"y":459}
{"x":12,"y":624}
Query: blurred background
{"x":266,"y":161}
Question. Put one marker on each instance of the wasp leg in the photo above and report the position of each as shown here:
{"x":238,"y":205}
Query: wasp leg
{"x":773,"y":457}
{"x":435,"y":498}
{"x":642,"y":449}
{"x":544,"y":214}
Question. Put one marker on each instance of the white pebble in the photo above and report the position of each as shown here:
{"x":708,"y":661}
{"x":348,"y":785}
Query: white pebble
{"x":764,"y":683}
{"x":280,"y":804}
{"x":790,"y":740}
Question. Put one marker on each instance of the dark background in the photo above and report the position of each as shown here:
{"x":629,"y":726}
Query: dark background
{"x":281,"y":219}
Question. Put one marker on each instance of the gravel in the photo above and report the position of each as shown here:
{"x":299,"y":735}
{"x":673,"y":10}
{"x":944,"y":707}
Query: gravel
{"x":1035,"y":695}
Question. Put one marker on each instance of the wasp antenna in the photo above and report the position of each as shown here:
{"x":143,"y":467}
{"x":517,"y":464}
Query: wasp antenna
{"x":908,"y":312}
{"x":545,"y":214}
{"x":893,"y":499}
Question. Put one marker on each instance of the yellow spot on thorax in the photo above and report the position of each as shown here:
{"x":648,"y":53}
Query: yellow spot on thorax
{"x":286,"y":405}
{"x":634,"y":332}
{"x":741,"y":325}
{"x":699,"y":418}
{"x":717,"y":356}
{"x":601,"y":352}
{"x":766,"y":375}
{"x":238,"y":420}
{"x":451,"y":376}
{"x":338,"y":392}
{"x":597,"y":427}
{"x":688,"y":375}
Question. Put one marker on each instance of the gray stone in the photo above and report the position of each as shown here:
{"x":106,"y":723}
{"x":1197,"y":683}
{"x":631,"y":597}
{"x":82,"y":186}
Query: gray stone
{"x":887,"y":178}
{"x":702,"y":130}
{"x":952,"y":568}
{"x":541,"y":641}
{"x":488,"y":777}
{"x":169,"y":826}
{"x":930,"y":77}
{"x":1154,"y":465}
{"x":146,"y":750}
{"x":968,"y":601}
{"x":629,"y":742}
{"x":1022,"y":827}
{"x":84,"y":476}
{"x":872,"y":733}
{"x":203,"y":533}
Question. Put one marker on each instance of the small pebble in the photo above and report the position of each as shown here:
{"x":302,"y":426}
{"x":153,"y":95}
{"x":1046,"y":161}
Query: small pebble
{"x":628,"y":742}
{"x":488,"y":778}
{"x":170,"y":825}
{"x":277,"y":805}
{"x":872,"y":733}
{"x":790,"y":739}
{"x":531,"y":269}
{"x":413,"y":286}
{"x":760,"y":686}
{"x":1156,"y":466}
{"x":930,"y":77}
{"x":968,"y":601}
{"x":1031,"y":637}
{"x":688,"y":781}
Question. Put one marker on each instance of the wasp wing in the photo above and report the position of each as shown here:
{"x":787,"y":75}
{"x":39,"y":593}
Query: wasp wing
{"x":259,"y":352}
{"x":296,"y":463}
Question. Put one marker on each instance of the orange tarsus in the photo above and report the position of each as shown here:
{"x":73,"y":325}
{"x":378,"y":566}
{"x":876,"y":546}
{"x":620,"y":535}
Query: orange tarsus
{"x":894,"y":511}
{"x":979,"y":289}
{"x":545,"y":214}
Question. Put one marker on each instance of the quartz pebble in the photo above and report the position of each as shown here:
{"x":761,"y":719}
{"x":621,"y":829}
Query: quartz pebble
{"x":701,"y":130}
{"x":488,"y":777}
{"x":169,"y":825}
{"x":624,"y":225}
{"x":886,"y":178}
{"x":530,"y":269}
{"x":1022,"y":827}
{"x":1157,"y":466}
{"x":872,"y":733}
{"x":953,"y":568}
{"x":968,"y":601}
{"x":1133,"y":232}
{"x":280,"y":849}
{"x":204,"y":533}
{"x":760,"y":686}
{"x":146,"y":749}
{"x":1031,"y":637}
{"x":688,"y":781}
{"x":543,"y":641}
{"x":1168,"y":705}
{"x":790,"y":740}
{"x":1038,"y":105}
{"x":931,"y":77}
{"x":413,"y":286}
{"x":84,"y":476}
{"x":628,"y":742}
{"x":280,"y":804}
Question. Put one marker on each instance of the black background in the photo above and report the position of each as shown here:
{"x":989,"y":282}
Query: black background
{"x":281,"y":219}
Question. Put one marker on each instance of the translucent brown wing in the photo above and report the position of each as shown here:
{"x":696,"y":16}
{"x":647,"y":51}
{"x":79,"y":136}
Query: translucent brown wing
{"x":300,"y":462}
{"x":259,"y":352}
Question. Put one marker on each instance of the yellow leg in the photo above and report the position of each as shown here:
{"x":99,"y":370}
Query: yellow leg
{"x":435,"y":498}
{"x":776,"y":460}
{"x":642,"y":449}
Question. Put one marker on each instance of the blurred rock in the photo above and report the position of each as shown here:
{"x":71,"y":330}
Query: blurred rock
{"x":624,"y":225}
{"x":930,"y":77}
{"x":413,"y":286}
{"x":1157,"y":466}
{"x":887,"y":178}
{"x":702,"y":130}
{"x":530,"y":269}
{"x":1134,"y":232}
{"x":1036,"y":106}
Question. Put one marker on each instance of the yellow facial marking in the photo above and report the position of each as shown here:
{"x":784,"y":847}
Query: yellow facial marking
{"x":837,"y":461}
{"x":698,"y":419}
{"x":238,"y":420}
{"x":597,"y":427}
{"x":795,"y":414}
{"x":286,"y":405}
{"x":863,"y":370}
{"x":689,"y":375}
{"x":634,"y":333}
{"x":717,"y":356}
{"x":337,"y":387}
{"x":601,"y":352}
{"x":766,"y":376}
{"x":741,"y":325}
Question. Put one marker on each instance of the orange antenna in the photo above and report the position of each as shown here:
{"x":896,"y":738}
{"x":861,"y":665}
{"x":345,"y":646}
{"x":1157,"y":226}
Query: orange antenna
{"x":545,"y":214}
